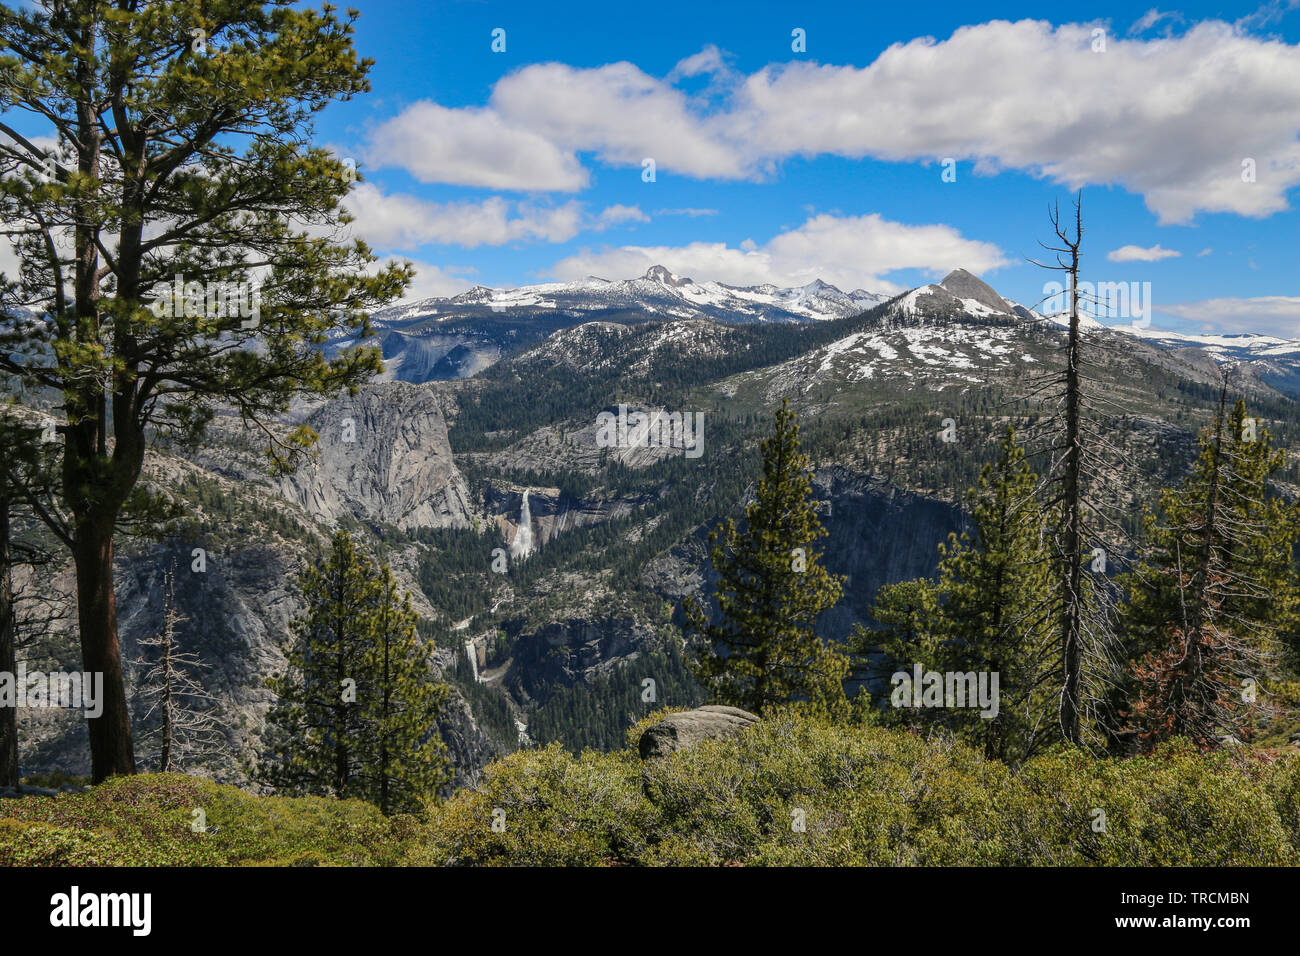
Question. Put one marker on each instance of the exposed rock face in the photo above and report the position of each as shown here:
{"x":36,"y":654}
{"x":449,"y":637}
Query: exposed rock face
{"x":680,"y":731}
{"x":565,"y":653}
{"x":383,"y":456}
{"x":963,"y":285}
{"x":469,"y":748}
{"x":877,"y":534}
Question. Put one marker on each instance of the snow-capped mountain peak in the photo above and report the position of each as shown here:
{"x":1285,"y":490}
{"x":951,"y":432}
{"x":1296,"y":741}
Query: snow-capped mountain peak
{"x":659,"y":293}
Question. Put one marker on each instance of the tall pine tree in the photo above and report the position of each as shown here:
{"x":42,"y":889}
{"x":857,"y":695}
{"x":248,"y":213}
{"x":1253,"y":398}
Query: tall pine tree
{"x":763,"y":650}
{"x":994,"y":591}
{"x":177,"y":164}
{"x":405,"y":759}
{"x":985,"y":613}
{"x":357,"y":710}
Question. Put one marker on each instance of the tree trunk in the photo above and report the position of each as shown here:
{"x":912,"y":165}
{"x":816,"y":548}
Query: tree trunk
{"x":111,"y":749}
{"x":1072,"y":621}
{"x":168,"y":727}
{"x":8,"y":655}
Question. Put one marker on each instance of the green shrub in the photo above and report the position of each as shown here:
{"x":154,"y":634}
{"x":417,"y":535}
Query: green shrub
{"x":148,"y":821}
{"x":863,"y":796}
{"x":556,"y":810}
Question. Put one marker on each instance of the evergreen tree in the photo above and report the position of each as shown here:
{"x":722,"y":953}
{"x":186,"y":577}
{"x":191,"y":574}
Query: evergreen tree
{"x":314,"y":732}
{"x":909,"y":614}
{"x":771,"y":588}
{"x":984,"y":613}
{"x":179,"y":171}
{"x":357,"y":709}
{"x":407,"y":759}
{"x":1218,"y":588}
{"x":993,"y":591}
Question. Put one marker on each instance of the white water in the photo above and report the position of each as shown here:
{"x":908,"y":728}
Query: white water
{"x":522,"y":546}
{"x":473,"y":658}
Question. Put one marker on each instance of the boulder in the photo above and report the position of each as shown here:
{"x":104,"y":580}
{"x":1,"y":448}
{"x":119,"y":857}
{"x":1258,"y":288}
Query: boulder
{"x":686,"y":729}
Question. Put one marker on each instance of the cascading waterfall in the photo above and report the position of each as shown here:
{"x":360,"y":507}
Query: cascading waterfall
{"x":522,"y":546}
{"x":473,"y":659}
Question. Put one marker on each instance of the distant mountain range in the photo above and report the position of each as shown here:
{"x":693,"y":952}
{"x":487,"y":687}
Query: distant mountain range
{"x":659,"y":294}
{"x":459,"y":336}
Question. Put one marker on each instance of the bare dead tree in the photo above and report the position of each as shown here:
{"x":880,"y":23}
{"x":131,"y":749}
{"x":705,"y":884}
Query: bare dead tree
{"x":1079,"y":460}
{"x":187,"y":726}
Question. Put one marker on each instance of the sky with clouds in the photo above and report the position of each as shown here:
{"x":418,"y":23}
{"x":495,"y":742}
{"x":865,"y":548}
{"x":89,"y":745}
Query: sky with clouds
{"x":793,"y":141}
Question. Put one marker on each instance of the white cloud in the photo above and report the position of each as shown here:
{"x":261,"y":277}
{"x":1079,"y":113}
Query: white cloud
{"x":1150,"y":19}
{"x":850,"y":252}
{"x":1270,"y":314}
{"x":708,"y":62}
{"x":1139,"y":254}
{"x":400,"y":221}
{"x":617,"y":214}
{"x":473,"y":147}
{"x":1170,"y":118}
{"x":620,"y":113}
{"x":434,"y":281}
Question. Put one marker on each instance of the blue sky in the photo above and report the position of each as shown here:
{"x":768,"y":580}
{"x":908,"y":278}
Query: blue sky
{"x":771,"y":164}
{"x":505,"y":168}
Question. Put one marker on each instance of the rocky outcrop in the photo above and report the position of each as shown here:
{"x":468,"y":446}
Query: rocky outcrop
{"x":383,"y":456}
{"x":574,"y":651}
{"x":682,"y":730}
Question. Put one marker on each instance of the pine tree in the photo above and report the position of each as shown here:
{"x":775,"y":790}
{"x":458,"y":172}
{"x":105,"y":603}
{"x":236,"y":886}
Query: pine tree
{"x":771,"y":589}
{"x":28,"y":481}
{"x":909,"y":614}
{"x":984,"y":613}
{"x":179,"y":156}
{"x":357,"y":709}
{"x":994,"y":590}
{"x":407,"y":759}
{"x":8,"y":650}
{"x":1207,"y":607}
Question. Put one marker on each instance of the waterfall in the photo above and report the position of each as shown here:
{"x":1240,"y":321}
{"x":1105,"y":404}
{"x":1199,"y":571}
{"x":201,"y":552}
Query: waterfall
{"x":522,"y":546}
{"x":473,"y":659}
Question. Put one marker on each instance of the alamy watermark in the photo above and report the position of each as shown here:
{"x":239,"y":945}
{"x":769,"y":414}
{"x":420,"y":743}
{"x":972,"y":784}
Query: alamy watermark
{"x":684,"y":430}
{"x":211,"y":300}
{"x":1113,"y":300}
{"x":53,"y":689}
{"x":924,"y":688}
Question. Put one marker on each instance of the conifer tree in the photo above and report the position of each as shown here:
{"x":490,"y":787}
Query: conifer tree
{"x":984,"y":613}
{"x":1207,"y":607}
{"x":315,"y":729}
{"x":771,"y":589}
{"x":180,"y":170}
{"x":406,"y":759}
{"x":994,"y":589}
{"x":357,"y":708}
{"x":28,"y":478}
{"x":909,"y":614}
